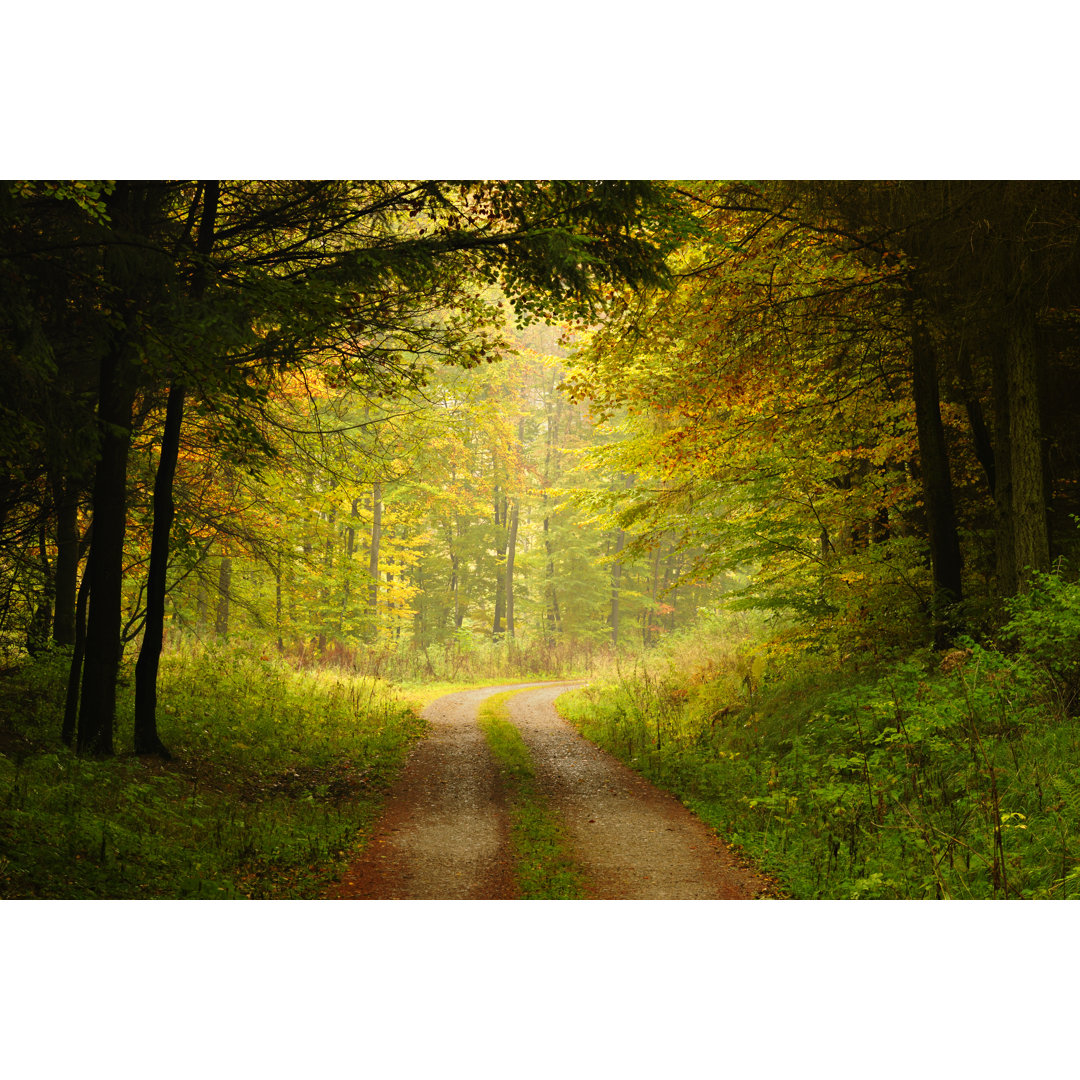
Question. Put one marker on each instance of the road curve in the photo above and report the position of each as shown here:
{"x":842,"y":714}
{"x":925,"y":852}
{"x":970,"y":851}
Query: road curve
{"x":444,"y":834}
{"x":633,"y":841}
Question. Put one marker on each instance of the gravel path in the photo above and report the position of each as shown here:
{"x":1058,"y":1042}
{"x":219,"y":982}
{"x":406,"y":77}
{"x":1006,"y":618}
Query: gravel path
{"x":444,"y":834}
{"x":633,"y":841}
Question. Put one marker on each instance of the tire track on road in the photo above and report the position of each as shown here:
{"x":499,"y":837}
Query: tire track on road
{"x":633,"y":841}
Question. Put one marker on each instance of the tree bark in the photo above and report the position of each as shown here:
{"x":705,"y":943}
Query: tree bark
{"x":146,"y":667}
{"x":164,"y":509}
{"x":980,"y":432}
{"x":511,"y":550}
{"x":373,"y":560}
{"x":40,"y":630}
{"x":105,"y":569}
{"x":616,"y":580}
{"x":500,"y":565}
{"x":937,"y":484}
{"x":1029,"y":512}
{"x":1004,"y":540}
{"x":71,"y":704}
{"x":67,"y":561}
{"x":552,"y":622}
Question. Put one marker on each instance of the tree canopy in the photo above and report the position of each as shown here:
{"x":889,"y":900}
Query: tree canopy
{"x":369,"y":419}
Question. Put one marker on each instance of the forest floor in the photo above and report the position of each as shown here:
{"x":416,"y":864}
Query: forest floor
{"x":445,"y":831}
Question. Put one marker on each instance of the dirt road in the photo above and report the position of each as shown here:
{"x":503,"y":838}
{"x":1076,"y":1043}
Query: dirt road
{"x":444,"y":834}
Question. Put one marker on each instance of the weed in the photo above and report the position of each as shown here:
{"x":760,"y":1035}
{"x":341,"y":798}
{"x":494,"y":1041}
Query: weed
{"x":543,"y":867}
{"x":277,"y":778}
{"x":927,"y":777}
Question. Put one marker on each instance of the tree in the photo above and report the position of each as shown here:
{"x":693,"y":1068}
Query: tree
{"x":809,"y":402}
{"x":164,"y":508}
{"x":294,"y":274}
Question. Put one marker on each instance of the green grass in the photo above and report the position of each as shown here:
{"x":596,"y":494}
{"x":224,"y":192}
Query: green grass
{"x":921,"y":779}
{"x":277,"y":777}
{"x":543,"y":867}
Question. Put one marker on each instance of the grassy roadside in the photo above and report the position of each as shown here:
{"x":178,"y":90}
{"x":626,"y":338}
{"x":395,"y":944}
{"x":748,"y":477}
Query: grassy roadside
{"x":278,"y":776}
{"x":543,"y":867}
{"x":934,"y":776}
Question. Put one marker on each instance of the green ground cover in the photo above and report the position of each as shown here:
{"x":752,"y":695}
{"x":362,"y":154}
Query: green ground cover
{"x":952,"y":775}
{"x":543,"y":867}
{"x":277,"y":776}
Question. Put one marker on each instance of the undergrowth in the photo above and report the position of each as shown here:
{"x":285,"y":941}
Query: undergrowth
{"x":277,"y":775}
{"x":953,"y":776}
{"x":467,"y":658}
{"x":543,"y":867}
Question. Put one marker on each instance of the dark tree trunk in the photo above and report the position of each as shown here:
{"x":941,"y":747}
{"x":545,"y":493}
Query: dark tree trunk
{"x":37,"y":637}
{"x":146,"y":667}
{"x":937,"y":484}
{"x":980,"y":432}
{"x":67,"y":561}
{"x":1004,"y":540}
{"x":511,"y":550}
{"x":71,"y":705}
{"x":105,"y":569}
{"x":1029,"y":512}
{"x":350,"y":551}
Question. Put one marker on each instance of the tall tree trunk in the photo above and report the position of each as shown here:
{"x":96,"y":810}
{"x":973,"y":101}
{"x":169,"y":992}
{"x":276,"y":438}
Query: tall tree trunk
{"x":221,"y":623}
{"x":350,"y":551}
{"x":164,"y":509}
{"x":105,"y":569}
{"x":552,"y":622}
{"x":672,"y":572}
{"x":500,"y":565}
{"x":202,"y":603}
{"x":551,"y":608}
{"x":1004,"y":540}
{"x":651,"y":617}
{"x":37,"y":637}
{"x":1029,"y":510}
{"x":71,"y":704}
{"x":146,"y":667}
{"x":455,"y":592}
{"x":67,"y":560}
{"x":937,"y":484}
{"x":278,"y":606}
{"x":330,"y":620}
{"x":456,"y":570}
{"x":511,"y":550}
{"x":616,"y":580}
{"x":980,"y":432}
{"x":373,"y":559}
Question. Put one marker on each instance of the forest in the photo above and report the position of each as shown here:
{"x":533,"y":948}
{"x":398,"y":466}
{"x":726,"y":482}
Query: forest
{"x":787,"y":473}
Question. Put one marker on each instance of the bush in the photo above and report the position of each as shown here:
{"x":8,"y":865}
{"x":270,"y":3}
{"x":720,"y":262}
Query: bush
{"x":277,"y":776}
{"x":1044,"y":626}
{"x":931,"y":776}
